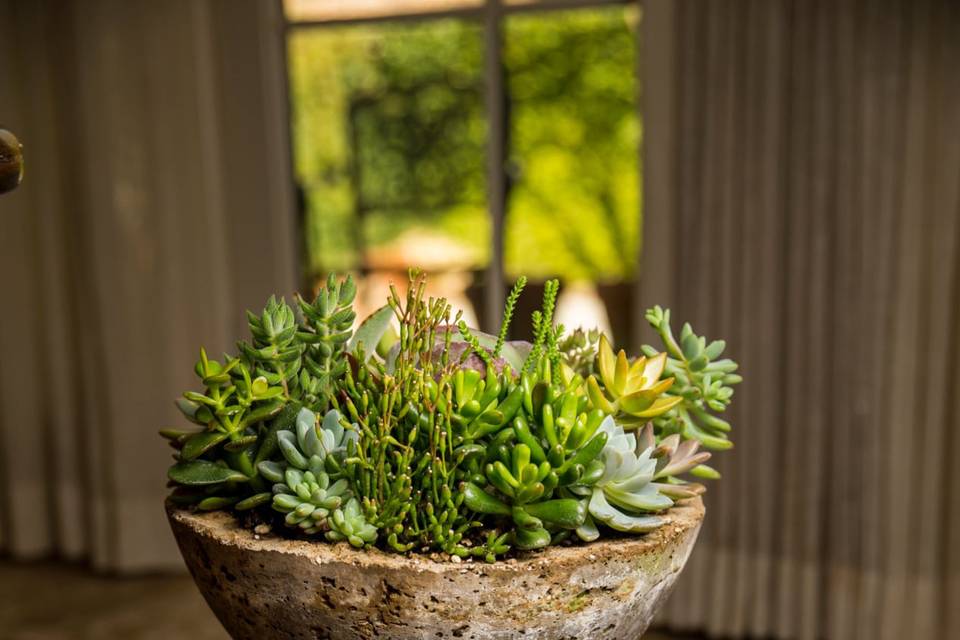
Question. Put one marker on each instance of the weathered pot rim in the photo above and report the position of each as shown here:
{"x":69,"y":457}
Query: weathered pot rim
{"x":225,"y":529}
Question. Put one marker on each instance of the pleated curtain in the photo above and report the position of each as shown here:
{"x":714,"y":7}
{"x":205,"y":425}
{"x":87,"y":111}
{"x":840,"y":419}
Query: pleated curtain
{"x":155,"y":208}
{"x":802,"y":200}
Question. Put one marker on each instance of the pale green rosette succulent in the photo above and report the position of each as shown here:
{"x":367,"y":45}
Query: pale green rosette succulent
{"x":309,"y":441}
{"x":307,"y":497}
{"x":625,"y":494}
{"x":303,"y":488}
{"x":349,"y":524}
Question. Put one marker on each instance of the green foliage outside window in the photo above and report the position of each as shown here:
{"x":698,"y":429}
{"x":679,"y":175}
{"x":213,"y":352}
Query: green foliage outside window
{"x":575,"y":206}
{"x":389,"y":135}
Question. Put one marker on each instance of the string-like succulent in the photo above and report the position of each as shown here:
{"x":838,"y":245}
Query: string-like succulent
{"x":508,"y":314}
{"x":544,"y":333}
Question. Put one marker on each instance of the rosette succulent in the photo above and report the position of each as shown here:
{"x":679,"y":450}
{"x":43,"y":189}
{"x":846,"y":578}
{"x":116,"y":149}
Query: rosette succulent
{"x":349,"y":524}
{"x":674,"y":458}
{"x":303,"y":489}
{"x":306,"y":496}
{"x":624,"y":496}
{"x":631,"y":390}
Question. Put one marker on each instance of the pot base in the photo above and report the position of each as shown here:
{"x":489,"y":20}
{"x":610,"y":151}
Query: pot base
{"x":266,"y":587}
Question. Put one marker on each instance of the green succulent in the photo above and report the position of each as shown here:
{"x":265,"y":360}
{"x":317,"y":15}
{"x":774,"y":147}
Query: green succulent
{"x":276,"y":353}
{"x":625,"y":495}
{"x":551,"y":444}
{"x":632,"y":391}
{"x":703,"y":384}
{"x":216,"y":467}
{"x":563,"y":429}
{"x":348,"y":523}
{"x":325,"y":333}
{"x":316,"y":442}
{"x":303,"y":489}
{"x":307,"y":497}
{"x":479,"y":405}
{"x":467,"y":444}
{"x":533,"y":520}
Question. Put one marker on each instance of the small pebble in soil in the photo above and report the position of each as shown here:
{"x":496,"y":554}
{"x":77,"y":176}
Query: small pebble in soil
{"x":262,"y":529}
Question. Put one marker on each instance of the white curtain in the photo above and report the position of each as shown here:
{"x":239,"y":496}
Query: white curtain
{"x":155,"y":208}
{"x":803,"y":200}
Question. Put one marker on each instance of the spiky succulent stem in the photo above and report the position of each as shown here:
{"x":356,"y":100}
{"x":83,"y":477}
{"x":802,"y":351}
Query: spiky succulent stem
{"x":543,"y":331}
{"x":508,"y":313}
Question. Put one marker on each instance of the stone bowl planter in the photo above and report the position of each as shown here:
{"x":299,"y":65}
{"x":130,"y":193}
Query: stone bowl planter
{"x":267,"y":587}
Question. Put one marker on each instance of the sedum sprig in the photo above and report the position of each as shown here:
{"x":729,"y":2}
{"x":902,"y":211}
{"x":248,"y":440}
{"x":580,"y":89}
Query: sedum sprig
{"x":508,"y":309}
{"x":544,"y":334}
{"x":703,"y":384}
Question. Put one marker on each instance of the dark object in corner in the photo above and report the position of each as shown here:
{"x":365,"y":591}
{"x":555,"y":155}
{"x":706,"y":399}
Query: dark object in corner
{"x":11,"y":161}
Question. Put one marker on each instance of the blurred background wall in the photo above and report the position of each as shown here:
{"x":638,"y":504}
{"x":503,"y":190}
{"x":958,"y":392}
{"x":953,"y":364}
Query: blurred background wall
{"x":785,"y":174}
{"x":157,"y":205}
{"x":806,"y":205}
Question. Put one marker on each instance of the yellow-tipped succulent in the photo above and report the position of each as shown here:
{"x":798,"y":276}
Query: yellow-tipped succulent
{"x":632,"y":389}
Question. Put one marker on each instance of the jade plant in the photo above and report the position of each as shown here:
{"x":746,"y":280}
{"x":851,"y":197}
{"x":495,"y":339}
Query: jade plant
{"x":415,"y":433}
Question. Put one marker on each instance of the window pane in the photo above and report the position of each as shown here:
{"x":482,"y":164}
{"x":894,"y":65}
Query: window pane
{"x":388,"y":134}
{"x":574,"y":209}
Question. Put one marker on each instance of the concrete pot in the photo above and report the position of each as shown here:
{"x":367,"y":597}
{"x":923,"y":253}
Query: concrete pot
{"x":273,"y":587}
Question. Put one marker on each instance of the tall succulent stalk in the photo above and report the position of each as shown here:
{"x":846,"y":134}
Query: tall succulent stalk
{"x":325,"y":331}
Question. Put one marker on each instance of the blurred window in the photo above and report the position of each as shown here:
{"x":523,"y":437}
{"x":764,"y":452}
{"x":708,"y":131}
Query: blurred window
{"x":400,"y":163}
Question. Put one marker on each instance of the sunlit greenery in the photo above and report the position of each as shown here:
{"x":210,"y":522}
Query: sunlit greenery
{"x":389,"y":135}
{"x":574,"y":209}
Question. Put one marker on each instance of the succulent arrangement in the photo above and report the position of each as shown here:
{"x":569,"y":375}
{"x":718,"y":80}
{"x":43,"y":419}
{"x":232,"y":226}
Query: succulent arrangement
{"x":416,"y":434}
